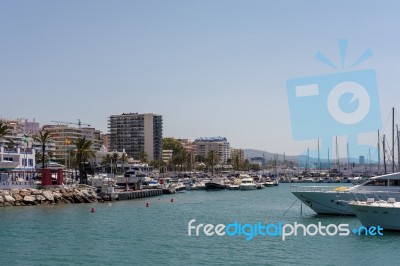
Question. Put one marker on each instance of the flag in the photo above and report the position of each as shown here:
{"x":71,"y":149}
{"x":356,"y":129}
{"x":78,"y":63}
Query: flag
{"x":67,"y":141}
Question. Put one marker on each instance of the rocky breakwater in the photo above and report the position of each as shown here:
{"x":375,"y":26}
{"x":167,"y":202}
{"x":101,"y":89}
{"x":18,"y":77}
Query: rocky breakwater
{"x":27,"y":197}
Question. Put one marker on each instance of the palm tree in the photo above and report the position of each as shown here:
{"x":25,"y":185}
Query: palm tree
{"x":84,"y":152}
{"x":115,"y":158}
{"x":236,"y":161}
{"x":106,"y":160}
{"x":43,"y":138}
{"x":212,"y":159}
{"x":124,"y":159}
{"x":143,"y":157}
{"x":4,"y":130}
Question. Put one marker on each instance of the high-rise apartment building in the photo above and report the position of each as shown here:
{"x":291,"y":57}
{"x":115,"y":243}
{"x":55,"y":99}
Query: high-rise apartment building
{"x":136,"y":133}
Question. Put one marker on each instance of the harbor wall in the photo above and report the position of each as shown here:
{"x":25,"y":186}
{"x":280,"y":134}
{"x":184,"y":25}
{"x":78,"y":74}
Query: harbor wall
{"x":31,"y":196}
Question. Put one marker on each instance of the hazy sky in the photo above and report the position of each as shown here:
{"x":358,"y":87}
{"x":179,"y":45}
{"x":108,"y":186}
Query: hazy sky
{"x":210,"y":68}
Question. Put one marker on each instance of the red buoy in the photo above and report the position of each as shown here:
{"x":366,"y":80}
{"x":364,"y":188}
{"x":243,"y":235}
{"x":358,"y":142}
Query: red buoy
{"x":92,"y":210}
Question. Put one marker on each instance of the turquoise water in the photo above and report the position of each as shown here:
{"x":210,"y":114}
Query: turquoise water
{"x":128,"y":233}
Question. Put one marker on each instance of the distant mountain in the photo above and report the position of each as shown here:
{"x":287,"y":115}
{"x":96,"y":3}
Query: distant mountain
{"x":251,"y":153}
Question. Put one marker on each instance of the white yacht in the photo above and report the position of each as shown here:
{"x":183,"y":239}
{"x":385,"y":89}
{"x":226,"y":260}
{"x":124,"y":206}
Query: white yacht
{"x":334,"y":200}
{"x":247,"y":183}
{"x":373,"y":213}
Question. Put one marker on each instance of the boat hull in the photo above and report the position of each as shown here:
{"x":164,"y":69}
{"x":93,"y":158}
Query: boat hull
{"x":336,"y":202}
{"x":214,"y":186}
{"x":388,"y":217}
{"x":249,"y":187}
{"x":327,"y":202}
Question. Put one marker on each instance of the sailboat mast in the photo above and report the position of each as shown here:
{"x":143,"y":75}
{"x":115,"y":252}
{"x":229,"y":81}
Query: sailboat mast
{"x":319,"y":162}
{"x":384,"y":155}
{"x":369,"y":155}
{"x":393,"y":140}
{"x":329,"y":162}
{"x":379,"y":154}
{"x":348,"y":157}
{"x":337,"y":156}
{"x":398,"y":148}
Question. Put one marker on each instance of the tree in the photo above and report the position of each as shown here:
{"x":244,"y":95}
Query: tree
{"x":124,"y":159}
{"x":212,"y":159}
{"x":43,"y":138}
{"x":106,"y":160}
{"x":115,"y":158}
{"x":84,"y":152}
{"x":143,"y":157}
{"x":172,"y":144}
{"x":4,"y":130}
{"x":236,"y":162}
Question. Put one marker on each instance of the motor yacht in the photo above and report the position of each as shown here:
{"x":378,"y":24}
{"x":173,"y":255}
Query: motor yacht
{"x":374,"y":213}
{"x":247,"y":183}
{"x":334,"y":200}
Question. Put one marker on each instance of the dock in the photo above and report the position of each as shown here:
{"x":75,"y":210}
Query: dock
{"x":135,"y":194}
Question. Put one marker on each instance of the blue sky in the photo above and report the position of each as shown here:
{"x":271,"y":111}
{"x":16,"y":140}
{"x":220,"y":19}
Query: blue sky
{"x":211,"y":68}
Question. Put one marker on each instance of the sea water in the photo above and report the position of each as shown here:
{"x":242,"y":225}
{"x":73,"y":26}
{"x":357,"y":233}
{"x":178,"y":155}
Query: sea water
{"x":129,"y":233}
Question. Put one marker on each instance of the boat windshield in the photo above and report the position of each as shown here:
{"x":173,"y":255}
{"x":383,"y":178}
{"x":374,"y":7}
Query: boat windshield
{"x":377,"y":182}
{"x":394,"y":183}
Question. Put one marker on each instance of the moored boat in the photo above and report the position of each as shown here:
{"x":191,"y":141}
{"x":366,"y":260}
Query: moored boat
{"x":334,"y":200}
{"x":382,"y":213}
{"x":247,"y":183}
{"x":215,"y":184}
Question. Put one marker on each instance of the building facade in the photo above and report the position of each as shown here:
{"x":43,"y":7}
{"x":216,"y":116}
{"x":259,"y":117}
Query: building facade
{"x":136,"y":133}
{"x":219,"y":144}
{"x":64,"y":136}
{"x":167,"y":155}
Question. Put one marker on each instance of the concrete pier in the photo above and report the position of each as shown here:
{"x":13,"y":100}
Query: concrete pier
{"x":127,"y":195}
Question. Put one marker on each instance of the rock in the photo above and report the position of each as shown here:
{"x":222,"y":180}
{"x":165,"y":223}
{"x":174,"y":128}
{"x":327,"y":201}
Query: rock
{"x":86,"y":193}
{"x":1,"y":199}
{"x":24,"y":192}
{"x":14,"y":191}
{"x":78,"y":199}
{"x":9,"y":199}
{"x":48,"y":195}
{"x":57,"y":195}
{"x":29,"y":200}
{"x":36,"y":192}
{"x":18,"y":197}
{"x":40,"y":198}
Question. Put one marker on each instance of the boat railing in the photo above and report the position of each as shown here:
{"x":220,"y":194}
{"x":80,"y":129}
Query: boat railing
{"x":378,"y":197}
{"x":295,"y":188}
